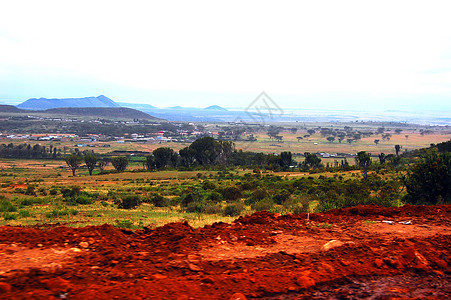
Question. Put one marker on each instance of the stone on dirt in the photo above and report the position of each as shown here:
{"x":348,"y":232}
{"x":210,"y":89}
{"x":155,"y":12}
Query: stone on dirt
{"x":332,"y":244}
{"x":238,"y":296}
{"x":305,"y":282}
{"x":5,"y":287}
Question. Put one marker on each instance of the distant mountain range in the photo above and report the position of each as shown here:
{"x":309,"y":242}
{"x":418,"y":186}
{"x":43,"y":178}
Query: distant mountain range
{"x":99,"y":112}
{"x":216,"y":107}
{"x":44,"y":103}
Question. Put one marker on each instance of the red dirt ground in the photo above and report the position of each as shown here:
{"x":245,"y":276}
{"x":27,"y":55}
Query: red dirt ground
{"x":265,"y":256}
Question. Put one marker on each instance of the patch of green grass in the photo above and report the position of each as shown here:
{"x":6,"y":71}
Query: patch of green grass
{"x":8,"y":216}
{"x":368,"y":222}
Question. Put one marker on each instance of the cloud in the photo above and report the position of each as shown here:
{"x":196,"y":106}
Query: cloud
{"x":299,"y":48}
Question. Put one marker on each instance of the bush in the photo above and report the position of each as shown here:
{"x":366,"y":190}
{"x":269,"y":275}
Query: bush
{"x":215,"y":196}
{"x":159,"y":201}
{"x":281,"y":196}
{"x":212,"y":208}
{"x":429,"y":181}
{"x":29,"y":201}
{"x":208,"y":185}
{"x":24,"y":213}
{"x":6,"y":206}
{"x":231,"y":193}
{"x":265,"y":204}
{"x":233,"y":209}
{"x":9,"y":216}
{"x":195,"y":207}
{"x":70,"y":192}
{"x":30,"y":190}
{"x":123,"y":224}
{"x":129,"y":202}
{"x":257,"y":195}
{"x":57,"y":212}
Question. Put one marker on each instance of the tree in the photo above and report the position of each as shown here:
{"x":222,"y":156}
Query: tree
{"x":103,"y":163}
{"x":120,"y":163}
{"x":286,"y":159}
{"x":73,"y":161}
{"x":330,"y":139}
{"x":311,"y":161}
{"x":90,"y":161}
{"x":205,"y":150}
{"x":187,"y":155}
{"x":382,"y":158}
{"x":429,"y":180}
{"x":163,"y":157}
{"x":150,"y":162}
{"x":363,"y":160}
{"x":397,"y":149}
{"x":225,"y":150}
{"x":376,"y":141}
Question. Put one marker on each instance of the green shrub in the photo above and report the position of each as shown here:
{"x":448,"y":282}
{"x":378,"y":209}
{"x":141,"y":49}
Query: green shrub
{"x":233,"y":209}
{"x":129,"y":202}
{"x":212,"y":208}
{"x":29,"y":201}
{"x":123,"y":224}
{"x":57,"y":212}
{"x":6,"y":206}
{"x":281,"y":196}
{"x":8,"y":216}
{"x":231,"y":193}
{"x":159,"y":201}
{"x":195,"y":207}
{"x":215,"y":196}
{"x":208,"y":185}
{"x":24,"y":213}
{"x":264,"y":204}
{"x":70,"y":192}
{"x":30,"y":190}
{"x":429,"y":180}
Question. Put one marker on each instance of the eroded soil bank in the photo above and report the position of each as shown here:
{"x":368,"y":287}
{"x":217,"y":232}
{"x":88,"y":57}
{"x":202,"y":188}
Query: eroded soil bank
{"x":361,"y":252}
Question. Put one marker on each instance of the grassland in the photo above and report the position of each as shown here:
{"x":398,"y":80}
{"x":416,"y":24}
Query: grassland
{"x":16,"y":176}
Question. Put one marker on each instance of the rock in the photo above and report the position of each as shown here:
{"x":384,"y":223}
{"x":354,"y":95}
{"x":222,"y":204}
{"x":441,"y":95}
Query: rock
{"x":207,"y":280}
{"x":5,"y":287}
{"x":441,"y":263}
{"x":420,"y":258}
{"x":332,"y":244}
{"x":238,"y":296}
{"x":194,"y":267}
{"x":159,"y":276}
{"x":84,"y":244}
{"x":378,"y":262}
{"x":56,"y":284}
{"x":328,"y":268}
{"x":233,"y":238}
{"x":305,"y":282}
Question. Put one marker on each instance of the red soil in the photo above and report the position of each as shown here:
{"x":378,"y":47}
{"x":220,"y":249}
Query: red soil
{"x":259,"y":256}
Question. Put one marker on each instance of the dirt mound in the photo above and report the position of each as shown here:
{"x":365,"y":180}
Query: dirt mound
{"x":364,"y":251}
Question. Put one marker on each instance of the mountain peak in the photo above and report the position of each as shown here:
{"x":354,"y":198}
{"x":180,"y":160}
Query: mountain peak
{"x":216,"y":107}
{"x":44,"y":103}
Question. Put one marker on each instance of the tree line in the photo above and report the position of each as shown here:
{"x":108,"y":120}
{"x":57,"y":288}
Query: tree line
{"x":29,"y":151}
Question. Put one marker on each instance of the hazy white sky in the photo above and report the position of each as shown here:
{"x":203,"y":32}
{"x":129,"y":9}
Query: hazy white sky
{"x":369,"y":54}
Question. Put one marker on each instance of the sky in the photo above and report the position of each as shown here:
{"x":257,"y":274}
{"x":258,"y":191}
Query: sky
{"x":367,"y":55}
